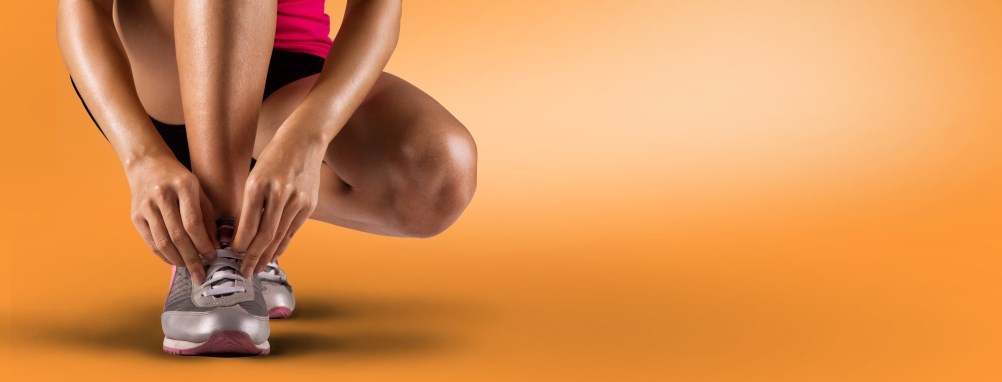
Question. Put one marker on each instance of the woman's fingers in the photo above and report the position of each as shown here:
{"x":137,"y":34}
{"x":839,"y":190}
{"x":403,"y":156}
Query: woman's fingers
{"x":144,"y":231}
{"x":161,"y":239}
{"x":250,"y":218}
{"x":179,"y":235}
{"x":190,"y":202}
{"x":209,"y":222}
{"x":292,"y":208}
{"x":162,"y":257}
{"x":173,"y":242}
{"x":265,"y":232}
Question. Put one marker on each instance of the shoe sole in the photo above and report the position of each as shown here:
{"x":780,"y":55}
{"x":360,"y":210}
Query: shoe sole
{"x":279,"y":312}
{"x":231,"y":342}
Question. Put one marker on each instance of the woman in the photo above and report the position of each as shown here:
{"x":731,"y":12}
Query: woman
{"x":235,"y":121}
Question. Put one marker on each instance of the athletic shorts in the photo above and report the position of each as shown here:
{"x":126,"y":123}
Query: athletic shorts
{"x":284,"y":68}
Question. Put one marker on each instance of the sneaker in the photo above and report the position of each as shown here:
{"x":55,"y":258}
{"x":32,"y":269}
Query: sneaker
{"x":277,"y":291}
{"x":226,"y":314}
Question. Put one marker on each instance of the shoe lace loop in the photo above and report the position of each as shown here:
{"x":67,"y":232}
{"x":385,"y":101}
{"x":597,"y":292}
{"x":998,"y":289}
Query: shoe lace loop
{"x":223,"y":275}
{"x":273,"y":273}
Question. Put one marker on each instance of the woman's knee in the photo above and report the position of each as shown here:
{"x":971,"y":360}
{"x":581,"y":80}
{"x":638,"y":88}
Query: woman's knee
{"x":437,"y":177}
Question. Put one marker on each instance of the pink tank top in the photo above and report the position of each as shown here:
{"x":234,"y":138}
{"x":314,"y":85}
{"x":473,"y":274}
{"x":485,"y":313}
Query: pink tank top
{"x":302,"y":26}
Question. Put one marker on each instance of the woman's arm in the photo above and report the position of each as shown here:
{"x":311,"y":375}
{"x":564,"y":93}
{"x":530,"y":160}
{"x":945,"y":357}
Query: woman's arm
{"x":361,"y":49}
{"x":363,"y":46}
{"x":165,"y":195}
{"x":96,"y":60}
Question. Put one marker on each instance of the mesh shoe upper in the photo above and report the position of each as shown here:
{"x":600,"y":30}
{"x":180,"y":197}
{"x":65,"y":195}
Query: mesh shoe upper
{"x":181,"y":299}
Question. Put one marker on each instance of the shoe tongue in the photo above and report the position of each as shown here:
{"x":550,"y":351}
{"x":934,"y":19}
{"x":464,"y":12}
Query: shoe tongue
{"x":224,"y":231}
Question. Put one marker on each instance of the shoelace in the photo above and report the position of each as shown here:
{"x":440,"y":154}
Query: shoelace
{"x":273,"y":273}
{"x":223,"y":274}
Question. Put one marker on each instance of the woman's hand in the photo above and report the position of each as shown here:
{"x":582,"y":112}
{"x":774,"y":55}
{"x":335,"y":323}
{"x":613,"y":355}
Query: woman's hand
{"x":280,"y":194}
{"x":172,"y":213}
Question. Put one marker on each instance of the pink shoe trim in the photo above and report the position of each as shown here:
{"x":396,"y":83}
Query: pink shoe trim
{"x":279,"y":312}
{"x":225,"y":342}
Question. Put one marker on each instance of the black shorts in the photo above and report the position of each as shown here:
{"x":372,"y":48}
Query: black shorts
{"x":284,"y":68}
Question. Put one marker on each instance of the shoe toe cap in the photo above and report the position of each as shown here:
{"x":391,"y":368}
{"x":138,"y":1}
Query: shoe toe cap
{"x":199,"y":326}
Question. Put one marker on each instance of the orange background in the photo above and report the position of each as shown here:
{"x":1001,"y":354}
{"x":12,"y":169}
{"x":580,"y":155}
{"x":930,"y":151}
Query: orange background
{"x":669,"y":190}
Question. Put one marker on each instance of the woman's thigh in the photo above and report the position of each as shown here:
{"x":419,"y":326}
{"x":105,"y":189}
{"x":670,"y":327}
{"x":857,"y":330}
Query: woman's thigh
{"x":147,"y":32}
{"x":402,"y":165}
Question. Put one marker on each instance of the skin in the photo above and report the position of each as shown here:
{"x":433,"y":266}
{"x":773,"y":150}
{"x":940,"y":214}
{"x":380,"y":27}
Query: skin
{"x":352,"y":146}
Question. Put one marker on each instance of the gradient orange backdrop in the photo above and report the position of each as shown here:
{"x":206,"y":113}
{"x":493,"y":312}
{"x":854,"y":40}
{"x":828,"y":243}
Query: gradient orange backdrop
{"x":669,"y":190}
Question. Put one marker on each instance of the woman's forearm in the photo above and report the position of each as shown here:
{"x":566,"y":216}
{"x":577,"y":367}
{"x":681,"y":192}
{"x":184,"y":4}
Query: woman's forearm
{"x":96,"y":60}
{"x":363,"y":46}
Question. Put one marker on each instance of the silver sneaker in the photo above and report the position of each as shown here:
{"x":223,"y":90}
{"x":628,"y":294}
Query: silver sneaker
{"x":226,"y":314}
{"x":277,"y":291}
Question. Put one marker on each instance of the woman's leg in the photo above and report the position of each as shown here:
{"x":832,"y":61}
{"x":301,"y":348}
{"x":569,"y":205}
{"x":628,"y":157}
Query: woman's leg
{"x":222,"y":49}
{"x":401,"y":166}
